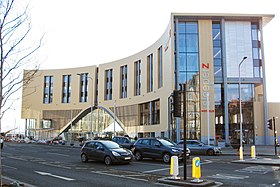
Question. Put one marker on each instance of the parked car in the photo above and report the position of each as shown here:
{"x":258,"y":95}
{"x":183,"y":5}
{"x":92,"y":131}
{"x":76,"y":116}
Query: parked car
{"x":200,"y":148}
{"x":107,"y":151}
{"x":123,"y":141}
{"x":157,"y":148}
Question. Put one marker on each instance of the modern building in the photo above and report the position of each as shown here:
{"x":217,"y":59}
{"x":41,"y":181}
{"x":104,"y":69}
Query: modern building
{"x":215,"y":59}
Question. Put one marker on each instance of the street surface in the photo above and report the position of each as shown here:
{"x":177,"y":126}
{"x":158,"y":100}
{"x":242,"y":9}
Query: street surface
{"x":58,"y":165}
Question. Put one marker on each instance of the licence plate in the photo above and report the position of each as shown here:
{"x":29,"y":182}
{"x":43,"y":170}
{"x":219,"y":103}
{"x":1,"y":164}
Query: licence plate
{"x":127,"y":158}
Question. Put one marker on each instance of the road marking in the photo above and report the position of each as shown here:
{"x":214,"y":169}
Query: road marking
{"x":259,"y":169}
{"x":228,"y":176}
{"x":120,"y":176}
{"x":58,"y":154}
{"x":56,"y":176}
{"x":55,"y":165}
{"x":9,"y":167}
{"x":17,"y":158}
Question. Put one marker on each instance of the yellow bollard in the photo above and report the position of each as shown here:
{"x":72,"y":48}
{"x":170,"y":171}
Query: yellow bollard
{"x":196,"y":173}
{"x":253,"y":152}
{"x":241,"y":153}
{"x":174,"y":167}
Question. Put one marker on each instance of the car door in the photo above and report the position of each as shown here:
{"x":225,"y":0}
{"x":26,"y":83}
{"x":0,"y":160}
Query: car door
{"x":99,"y":151}
{"x":193,"y":147}
{"x":156,"y":149}
{"x":145,"y":147}
{"x":89,"y":149}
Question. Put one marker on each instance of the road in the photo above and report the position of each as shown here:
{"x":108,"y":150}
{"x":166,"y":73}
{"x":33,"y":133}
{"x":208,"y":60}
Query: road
{"x":56,"y":165}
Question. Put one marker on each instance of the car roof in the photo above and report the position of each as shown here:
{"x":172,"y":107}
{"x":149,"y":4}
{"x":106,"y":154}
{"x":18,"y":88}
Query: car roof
{"x":99,"y":141}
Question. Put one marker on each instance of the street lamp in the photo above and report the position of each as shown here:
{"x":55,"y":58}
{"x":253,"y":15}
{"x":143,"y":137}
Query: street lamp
{"x":240,"y":110}
{"x":91,"y":103}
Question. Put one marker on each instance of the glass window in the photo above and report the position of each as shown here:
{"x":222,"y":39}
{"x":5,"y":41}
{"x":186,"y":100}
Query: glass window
{"x":192,"y":43}
{"x":182,"y":77}
{"x":66,"y":89}
{"x":216,"y":25}
{"x":48,"y":89}
{"x":216,"y":34}
{"x":255,"y":53}
{"x":109,"y":88}
{"x":83,"y":87}
{"x":160,"y":70}
{"x":217,"y":43}
{"x":191,"y":27}
{"x":218,"y":71}
{"x":182,"y":42}
{"x":192,"y":62}
{"x":123,"y":91}
{"x":182,"y":27}
{"x":150,"y":73}
{"x":137,"y":65}
{"x":217,"y":49}
{"x":217,"y":52}
{"x":218,"y":62}
{"x":183,"y":61}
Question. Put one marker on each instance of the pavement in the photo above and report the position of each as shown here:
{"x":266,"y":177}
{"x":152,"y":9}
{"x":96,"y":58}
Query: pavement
{"x":265,"y":155}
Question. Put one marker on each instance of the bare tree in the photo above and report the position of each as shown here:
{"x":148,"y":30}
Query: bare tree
{"x":15,"y":54}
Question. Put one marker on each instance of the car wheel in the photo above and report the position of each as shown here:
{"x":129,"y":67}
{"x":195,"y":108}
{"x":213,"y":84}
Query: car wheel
{"x":108,"y":160}
{"x":210,"y":152}
{"x":138,"y":156}
{"x":166,"y":157}
{"x":84,"y":158}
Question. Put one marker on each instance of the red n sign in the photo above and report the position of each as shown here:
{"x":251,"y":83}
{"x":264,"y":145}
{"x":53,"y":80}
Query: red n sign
{"x":206,"y":66}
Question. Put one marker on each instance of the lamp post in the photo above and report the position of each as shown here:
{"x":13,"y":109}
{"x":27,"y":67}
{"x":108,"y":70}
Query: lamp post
{"x":91,"y":103}
{"x":240,"y":110}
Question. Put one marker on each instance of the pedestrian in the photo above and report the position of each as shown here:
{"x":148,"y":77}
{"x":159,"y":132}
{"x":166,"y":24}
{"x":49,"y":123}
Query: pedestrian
{"x":2,"y":142}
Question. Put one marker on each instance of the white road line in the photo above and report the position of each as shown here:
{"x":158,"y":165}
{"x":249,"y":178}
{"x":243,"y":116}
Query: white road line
{"x":120,"y":176}
{"x":58,"y":154}
{"x":9,"y":167}
{"x":56,"y":176}
{"x":228,"y":176}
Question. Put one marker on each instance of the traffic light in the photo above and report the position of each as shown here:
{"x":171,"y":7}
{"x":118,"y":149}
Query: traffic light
{"x":269,"y":124}
{"x":177,"y":103}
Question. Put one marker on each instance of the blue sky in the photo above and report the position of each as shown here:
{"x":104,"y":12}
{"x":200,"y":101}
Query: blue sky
{"x":88,"y":32}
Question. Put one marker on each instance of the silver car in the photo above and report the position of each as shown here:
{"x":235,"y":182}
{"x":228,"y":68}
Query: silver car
{"x":198,"y":148}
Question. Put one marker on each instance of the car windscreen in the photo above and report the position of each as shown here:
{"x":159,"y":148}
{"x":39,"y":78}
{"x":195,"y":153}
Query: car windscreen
{"x":111,"y":145}
{"x":167,"y":142}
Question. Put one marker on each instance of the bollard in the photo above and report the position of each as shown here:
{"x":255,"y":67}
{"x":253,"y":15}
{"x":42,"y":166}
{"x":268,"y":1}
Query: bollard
{"x":241,"y":153}
{"x":253,"y":152}
{"x":174,"y":167}
{"x":196,"y":173}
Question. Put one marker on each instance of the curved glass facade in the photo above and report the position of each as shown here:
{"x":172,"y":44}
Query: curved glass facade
{"x":103,"y":124}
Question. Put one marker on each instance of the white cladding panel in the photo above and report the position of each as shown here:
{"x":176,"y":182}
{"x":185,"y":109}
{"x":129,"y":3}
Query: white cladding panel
{"x":238,"y":45}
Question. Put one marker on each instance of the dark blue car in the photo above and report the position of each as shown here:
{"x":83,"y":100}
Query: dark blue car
{"x":157,"y":148}
{"x":107,"y":151}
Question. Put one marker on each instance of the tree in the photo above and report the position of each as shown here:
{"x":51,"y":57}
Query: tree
{"x":15,"y":54}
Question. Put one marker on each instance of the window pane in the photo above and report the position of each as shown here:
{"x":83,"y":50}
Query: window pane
{"x":216,"y":34}
{"x":217,"y":43}
{"x":192,"y":43}
{"x":217,"y":52}
{"x":182,"y":43}
{"x":182,"y":27}
{"x":183,"y":77}
{"x":191,"y":27}
{"x":183,"y":62}
{"x":255,"y":53}
{"x":254,"y":35}
{"x":218,"y":71}
{"x":192,"y":62}
{"x":218,"y":62}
